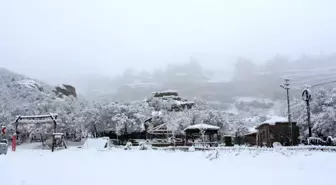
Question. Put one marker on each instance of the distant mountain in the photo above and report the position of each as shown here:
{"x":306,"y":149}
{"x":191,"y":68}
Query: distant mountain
{"x":221,"y":85}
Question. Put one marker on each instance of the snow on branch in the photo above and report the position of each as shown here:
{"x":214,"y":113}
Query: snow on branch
{"x":316,"y":141}
{"x":36,"y":118}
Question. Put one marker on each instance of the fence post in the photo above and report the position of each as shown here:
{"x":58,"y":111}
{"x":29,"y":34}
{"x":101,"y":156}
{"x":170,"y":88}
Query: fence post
{"x":14,"y":143}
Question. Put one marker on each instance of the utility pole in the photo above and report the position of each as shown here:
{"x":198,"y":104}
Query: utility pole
{"x":286,"y":87}
{"x":306,"y":96}
{"x":95,"y":130}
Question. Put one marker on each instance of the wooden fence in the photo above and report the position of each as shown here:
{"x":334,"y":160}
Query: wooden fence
{"x":237,"y":149}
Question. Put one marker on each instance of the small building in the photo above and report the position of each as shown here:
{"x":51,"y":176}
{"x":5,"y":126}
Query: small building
{"x":250,"y":139}
{"x":277,"y":129}
{"x":198,"y":131}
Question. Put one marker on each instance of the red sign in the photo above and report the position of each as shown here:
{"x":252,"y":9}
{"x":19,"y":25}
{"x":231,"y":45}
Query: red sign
{"x":3,"y":130}
{"x":14,"y":143}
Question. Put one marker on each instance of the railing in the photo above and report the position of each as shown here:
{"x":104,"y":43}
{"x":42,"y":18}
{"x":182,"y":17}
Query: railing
{"x":243,"y":148}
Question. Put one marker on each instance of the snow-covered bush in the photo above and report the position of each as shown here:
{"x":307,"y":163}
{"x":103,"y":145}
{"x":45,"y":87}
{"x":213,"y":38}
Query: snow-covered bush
{"x":330,"y":141}
{"x":191,"y":149}
{"x":212,"y":154}
{"x":128,"y":145}
{"x":316,"y":141}
{"x":144,"y":146}
{"x":323,"y":113}
{"x":277,"y":145}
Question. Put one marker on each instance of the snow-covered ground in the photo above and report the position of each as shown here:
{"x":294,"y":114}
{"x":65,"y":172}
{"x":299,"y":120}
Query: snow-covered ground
{"x":122,"y":167}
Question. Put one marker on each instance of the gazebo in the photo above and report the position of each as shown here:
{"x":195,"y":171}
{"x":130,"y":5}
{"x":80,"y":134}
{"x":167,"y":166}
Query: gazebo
{"x":207,"y":133}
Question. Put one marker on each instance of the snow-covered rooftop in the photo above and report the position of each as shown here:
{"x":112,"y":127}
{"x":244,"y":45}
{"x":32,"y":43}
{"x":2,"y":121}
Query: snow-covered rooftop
{"x":275,"y":119}
{"x":38,"y":116}
{"x":202,"y":126}
{"x":252,"y":130}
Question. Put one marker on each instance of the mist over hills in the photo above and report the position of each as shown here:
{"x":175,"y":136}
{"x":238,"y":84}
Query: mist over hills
{"x":223,"y":84}
{"x":251,"y":95}
{"x":255,"y":85}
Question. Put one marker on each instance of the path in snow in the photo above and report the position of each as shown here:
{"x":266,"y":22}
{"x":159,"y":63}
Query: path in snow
{"x":121,"y":167}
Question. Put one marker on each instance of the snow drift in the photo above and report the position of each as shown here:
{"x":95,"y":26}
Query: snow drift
{"x":96,"y":143}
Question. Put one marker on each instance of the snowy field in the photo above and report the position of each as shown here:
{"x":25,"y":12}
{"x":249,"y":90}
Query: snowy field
{"x":120,"y":167}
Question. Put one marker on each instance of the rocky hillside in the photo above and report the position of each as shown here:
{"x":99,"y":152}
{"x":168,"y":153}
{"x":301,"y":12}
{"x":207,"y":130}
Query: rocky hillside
{"x":20,"y":95}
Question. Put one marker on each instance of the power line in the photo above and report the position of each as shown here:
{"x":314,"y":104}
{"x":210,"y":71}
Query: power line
{"x":303,"y":70}
{"x":319,"y":81}
{"x":310,"y":69}
{"x":294,"y":105}
{"x":308,"y":74}
{"x":312,"y":76}
{"x":325,"y":83}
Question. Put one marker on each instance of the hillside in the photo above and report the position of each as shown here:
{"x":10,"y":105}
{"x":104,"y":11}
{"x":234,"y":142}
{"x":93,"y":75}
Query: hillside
{"x":21,"y":95}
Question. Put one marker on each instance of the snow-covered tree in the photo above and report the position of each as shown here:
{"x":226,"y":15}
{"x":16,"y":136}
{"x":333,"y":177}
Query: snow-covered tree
{"x":323,"y":117}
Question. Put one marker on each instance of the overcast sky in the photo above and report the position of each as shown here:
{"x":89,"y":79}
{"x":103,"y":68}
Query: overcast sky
{"x":51,"y":39}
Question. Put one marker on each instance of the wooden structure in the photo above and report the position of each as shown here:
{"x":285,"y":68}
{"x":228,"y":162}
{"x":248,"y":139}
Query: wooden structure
{"x":277,"y":130}
{"x":58,"y":141}
{"x":250,"y":139}
{"x":156,"y":130}
{"x":42,"y":119}
{"x":207,"y":133}
{"x":228,"y":140}
{"x":160,"y":131}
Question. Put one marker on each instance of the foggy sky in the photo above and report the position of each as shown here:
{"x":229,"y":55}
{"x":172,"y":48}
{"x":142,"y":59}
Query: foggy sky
{"x":51,"y":39}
